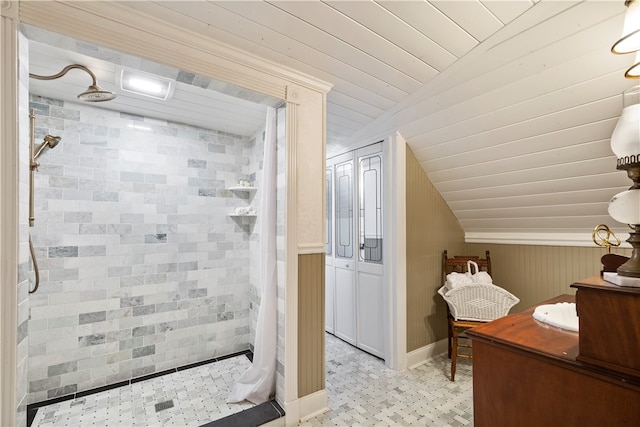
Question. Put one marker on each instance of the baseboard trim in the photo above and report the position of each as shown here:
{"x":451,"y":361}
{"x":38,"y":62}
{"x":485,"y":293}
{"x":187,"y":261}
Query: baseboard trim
{"x":313,"y":404}
{"x":422,"y":355}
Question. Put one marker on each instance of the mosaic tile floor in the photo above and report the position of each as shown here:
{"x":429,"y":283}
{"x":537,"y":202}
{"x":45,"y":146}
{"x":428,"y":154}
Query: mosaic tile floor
{"x":362,"y":392}
{"x":197,"y":395}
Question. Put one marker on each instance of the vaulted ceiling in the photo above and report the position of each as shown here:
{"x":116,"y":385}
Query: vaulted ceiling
{"x":508,"y":105}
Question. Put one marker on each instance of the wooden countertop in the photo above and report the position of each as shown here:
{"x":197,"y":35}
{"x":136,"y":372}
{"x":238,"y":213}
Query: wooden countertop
{"x":598,"y":283}
{"x":521,"y":330}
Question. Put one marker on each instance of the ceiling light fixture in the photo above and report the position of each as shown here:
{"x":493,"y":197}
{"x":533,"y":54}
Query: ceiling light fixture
{"x":634,"y":71}
{"x":146,"y":84}
{"x":630,"y":40}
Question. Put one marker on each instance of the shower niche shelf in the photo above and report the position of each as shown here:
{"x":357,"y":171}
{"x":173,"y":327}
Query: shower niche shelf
{"x":250,"y":192}
{"x":245,"y":189}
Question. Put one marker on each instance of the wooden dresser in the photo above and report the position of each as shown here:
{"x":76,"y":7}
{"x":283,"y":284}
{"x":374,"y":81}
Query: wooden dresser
{"x":527,"y":373}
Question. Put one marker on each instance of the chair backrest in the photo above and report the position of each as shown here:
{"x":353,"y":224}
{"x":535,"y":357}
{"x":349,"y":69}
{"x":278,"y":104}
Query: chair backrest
{"x":459,"y":264}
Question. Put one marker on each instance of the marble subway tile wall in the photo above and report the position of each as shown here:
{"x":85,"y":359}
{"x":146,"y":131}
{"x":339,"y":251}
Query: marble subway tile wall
{"x":142,"y":267}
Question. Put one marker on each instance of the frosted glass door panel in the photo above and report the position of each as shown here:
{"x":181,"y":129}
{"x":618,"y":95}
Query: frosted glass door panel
{"x":370,"y":209}
{"x":344,"y":210}
{"x":329,"y":213}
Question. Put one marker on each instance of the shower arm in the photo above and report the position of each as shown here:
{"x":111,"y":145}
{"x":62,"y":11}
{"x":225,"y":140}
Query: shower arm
{"x":64,"y":71}
{"x":94,"y":93}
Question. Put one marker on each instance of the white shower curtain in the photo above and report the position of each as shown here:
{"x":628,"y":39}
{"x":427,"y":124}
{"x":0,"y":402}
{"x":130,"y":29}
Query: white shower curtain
{"x":258,"y":383}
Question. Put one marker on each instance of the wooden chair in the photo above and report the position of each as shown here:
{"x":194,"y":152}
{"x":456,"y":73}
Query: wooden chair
{"x":470,"y":305}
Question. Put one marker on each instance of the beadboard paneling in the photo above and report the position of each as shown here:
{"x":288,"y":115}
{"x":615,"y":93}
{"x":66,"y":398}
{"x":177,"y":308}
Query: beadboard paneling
{"x":431,"y":228}
{"x":311,"y":360}
{"x":537,"y":273}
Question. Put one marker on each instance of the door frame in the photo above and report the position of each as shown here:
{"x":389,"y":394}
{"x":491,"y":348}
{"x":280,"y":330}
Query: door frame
{"x":113,"y":25}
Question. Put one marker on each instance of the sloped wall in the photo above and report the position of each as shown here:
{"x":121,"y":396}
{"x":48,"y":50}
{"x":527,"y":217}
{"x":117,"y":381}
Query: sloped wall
{"x":431,"y":228}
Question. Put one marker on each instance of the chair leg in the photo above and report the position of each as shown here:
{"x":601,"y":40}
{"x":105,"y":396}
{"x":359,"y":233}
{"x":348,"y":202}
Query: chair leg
{"x":449,"y":333}
{"x":454,"y":354}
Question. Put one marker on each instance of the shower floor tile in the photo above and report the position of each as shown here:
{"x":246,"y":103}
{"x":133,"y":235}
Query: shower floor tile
{"x":189,"y":397}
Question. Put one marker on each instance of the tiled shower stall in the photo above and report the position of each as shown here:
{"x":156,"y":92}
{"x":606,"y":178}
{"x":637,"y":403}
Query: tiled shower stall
{"x":142,"y":268}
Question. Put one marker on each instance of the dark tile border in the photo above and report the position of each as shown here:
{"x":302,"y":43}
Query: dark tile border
{"x":32,"y":408}
{"x":256,"y":416}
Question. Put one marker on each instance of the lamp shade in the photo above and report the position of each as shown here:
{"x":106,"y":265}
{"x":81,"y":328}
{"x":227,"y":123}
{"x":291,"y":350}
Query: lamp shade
{"x":625,"y":140}
{"x":630,"y":40}
{"x":634,"y":71}
{"x":625,"y":207}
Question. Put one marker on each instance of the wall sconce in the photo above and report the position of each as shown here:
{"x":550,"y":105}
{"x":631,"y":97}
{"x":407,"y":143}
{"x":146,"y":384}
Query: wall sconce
{"x":629,"y":42}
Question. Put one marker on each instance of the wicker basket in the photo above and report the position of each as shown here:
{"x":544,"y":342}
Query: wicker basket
{"x":481,"y":302}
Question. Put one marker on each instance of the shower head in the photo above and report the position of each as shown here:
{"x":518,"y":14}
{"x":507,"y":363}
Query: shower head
{"x":94,"y":93}
{"x":50,"y":141}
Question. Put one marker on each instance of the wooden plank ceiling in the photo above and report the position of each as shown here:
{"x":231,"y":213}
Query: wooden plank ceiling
{"x":508,"y":105}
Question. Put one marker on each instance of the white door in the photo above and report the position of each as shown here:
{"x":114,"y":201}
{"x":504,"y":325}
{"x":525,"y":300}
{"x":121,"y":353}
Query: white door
{"x":369,"y":267}
{"x":354,"y":269}
{"x":344,"y":248}
{"x":330,"y":273}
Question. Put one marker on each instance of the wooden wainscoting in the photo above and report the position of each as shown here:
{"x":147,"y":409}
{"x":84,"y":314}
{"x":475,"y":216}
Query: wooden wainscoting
{"x":311,"y":340}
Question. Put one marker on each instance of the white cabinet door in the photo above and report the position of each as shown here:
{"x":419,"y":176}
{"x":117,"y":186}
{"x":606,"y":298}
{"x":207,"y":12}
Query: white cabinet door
{"x":330,"y":295}
{"x":330,"y":272}
{"x":369,"y":267}
{"x":344,"y":247}
{"x":354,"y":284}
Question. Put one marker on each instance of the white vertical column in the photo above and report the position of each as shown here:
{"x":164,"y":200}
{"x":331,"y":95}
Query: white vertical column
{"x":8,"y":209}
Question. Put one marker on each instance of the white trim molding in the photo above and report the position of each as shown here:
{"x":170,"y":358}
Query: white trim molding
{"x":538,"y":239}
{"x":396,"y":263}
{"x":306,"y":407}
{"x":424,"y":354}
{"x":8,"y":211}
{"x":311,"y":248}
{"x":313,"y":405}
{"x":291,"y":270}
